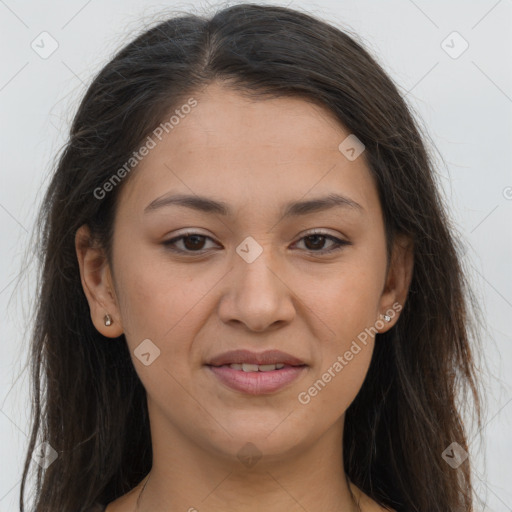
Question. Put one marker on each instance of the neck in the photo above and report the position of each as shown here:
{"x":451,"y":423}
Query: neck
{"x":189,"y":478}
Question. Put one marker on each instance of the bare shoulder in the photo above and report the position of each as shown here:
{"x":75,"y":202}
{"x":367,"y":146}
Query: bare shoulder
{"x":366,"y":503}
{"x":125,"y":503}
{"x":120,"y":505}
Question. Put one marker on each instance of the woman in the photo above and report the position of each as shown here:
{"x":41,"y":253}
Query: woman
{"x":250,"y":296}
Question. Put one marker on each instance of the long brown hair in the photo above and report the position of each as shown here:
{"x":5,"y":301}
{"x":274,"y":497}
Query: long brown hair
{"x":89,"y":403}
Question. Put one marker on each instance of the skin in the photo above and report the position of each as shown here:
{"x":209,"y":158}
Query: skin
{"x":255,"y":155}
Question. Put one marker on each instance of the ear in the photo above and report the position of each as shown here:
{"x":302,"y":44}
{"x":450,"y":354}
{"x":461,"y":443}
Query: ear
{"x":97,"y":283}
{"x":398,"y":280}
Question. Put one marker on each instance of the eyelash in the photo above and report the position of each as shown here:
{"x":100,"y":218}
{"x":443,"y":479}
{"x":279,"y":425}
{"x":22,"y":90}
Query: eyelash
{"x":338,"y":243}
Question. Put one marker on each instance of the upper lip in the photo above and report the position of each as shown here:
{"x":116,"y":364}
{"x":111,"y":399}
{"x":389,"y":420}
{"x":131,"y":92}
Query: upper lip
{"x":248,"y":357}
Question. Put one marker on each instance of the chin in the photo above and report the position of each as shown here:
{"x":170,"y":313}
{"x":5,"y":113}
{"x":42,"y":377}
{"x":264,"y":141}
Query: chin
{"x":269,"y":439}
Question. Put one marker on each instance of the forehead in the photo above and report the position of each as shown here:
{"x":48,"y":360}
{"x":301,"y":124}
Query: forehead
{"x":251,"y":150}
{"x":225,"y":112}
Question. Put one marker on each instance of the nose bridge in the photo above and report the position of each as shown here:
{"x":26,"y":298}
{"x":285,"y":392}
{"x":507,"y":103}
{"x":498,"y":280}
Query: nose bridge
{"x":254,"y":268}
{"x":254,"y":263}
{"x":258,"y":296}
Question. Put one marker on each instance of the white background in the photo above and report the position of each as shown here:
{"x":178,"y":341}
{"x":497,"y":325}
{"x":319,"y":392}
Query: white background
{"x":465,"y":103}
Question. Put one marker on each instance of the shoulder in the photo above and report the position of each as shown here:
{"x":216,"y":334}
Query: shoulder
{"x":365,"y":502}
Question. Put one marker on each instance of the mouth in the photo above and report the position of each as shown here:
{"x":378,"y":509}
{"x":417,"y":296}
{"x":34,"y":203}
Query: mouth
{"x":256,"y":373}
{"x":247,"y":367}
{"x":252,"y":359}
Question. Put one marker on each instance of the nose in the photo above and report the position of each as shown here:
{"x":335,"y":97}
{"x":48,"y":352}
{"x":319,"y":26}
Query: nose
{"x":257,"y":295}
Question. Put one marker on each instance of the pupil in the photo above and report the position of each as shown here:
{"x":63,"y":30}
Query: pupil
{"x":196,"y":244}
{"x":318,"y":238}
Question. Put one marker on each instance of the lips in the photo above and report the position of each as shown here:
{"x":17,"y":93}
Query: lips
{"x":256,"y":373}
{"x":246,"y":357}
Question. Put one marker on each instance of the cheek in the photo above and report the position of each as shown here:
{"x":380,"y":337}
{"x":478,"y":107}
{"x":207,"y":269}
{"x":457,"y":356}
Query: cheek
{"x":344,"y":355}
{"x":334,"y":386}
{"x":163,"y":302}
{"x":156,"y":303}
{"x":347,"y":301}
{"x":347,"y":305}
{"x":159,"y":304}
{"x":152,"y":297}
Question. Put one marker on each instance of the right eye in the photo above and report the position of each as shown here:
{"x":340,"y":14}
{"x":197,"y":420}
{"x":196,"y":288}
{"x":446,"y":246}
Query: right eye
{"x":191,"y":243}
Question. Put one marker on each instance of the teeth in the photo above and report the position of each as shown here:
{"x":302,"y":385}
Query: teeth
{"x":256,"y":367}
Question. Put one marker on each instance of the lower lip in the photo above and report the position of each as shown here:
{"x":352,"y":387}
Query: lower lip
{"x":257,"y":383}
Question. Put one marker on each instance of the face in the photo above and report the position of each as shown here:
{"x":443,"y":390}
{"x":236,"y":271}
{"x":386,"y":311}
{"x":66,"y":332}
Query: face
{"x":273,"y":265}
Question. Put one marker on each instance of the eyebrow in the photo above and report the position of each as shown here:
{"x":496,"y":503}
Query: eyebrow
{"x":292,"y":209}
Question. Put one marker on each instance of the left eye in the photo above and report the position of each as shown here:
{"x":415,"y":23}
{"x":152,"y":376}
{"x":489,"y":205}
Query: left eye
{"x":194,"y":242}
{"x":319,"y":239}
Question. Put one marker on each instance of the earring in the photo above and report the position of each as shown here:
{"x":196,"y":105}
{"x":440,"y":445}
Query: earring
{"x":107,"y":319}
{"x":387,"y":318}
